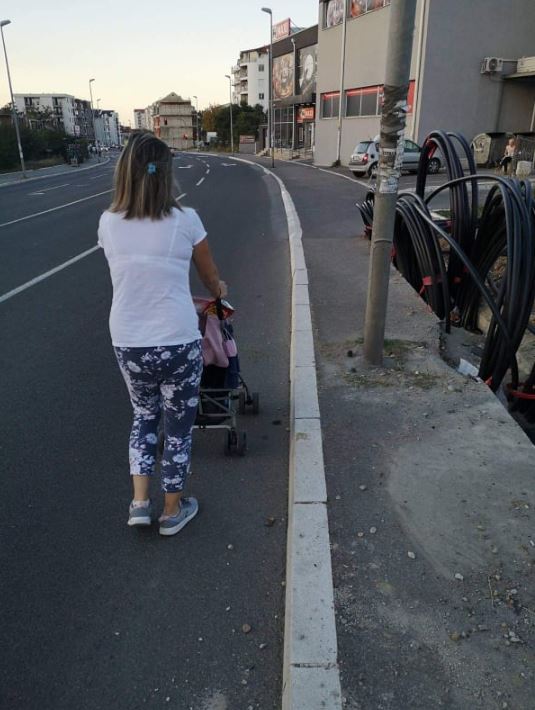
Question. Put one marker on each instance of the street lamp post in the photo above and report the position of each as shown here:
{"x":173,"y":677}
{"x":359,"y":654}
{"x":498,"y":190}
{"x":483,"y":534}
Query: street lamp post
{"x":98,"y":104}
{"x":93,"y":117}
{"x":197,"y":118}
{"x":3,"y":23}
{"x":271,"y":127}
{"x":230,"y":107}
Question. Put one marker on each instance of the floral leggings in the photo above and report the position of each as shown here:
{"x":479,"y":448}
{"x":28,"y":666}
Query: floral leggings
{"x":168,"y":379}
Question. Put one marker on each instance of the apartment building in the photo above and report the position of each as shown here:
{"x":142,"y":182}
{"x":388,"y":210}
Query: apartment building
{"x":56,"y":111}
{"x":142,"y":119}
{"x":59,"y":108}
{"x":107,"y":128}
{"x":467,"y":73}
{"x":251,"y":78}
{"x":172,"y":121}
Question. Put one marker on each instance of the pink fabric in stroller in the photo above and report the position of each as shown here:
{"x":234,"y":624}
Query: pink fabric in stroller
{"x":216,"y":349}
{"x":213,"y":346}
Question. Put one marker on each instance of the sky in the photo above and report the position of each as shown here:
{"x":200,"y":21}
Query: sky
{"x":136,"y":51}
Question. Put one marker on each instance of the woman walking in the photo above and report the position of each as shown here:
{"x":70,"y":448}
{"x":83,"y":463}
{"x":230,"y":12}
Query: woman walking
{"x":149,"y":243}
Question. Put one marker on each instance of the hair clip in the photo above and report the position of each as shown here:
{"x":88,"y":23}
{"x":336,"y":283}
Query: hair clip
{"x":151,"y":168}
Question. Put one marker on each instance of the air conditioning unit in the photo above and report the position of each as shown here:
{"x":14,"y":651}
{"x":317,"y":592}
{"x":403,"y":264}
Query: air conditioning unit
{"x":492,"y":65}
{"x":525,"y":64}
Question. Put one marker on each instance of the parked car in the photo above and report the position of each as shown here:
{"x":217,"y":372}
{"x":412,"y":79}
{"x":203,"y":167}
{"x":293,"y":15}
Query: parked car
{"x":364,"y":159}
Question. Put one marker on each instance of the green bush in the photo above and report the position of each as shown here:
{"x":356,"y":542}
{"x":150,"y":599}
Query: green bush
{"x":37,"y":145}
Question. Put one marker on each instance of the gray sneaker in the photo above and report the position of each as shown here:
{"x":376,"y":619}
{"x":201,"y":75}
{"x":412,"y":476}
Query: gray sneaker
{"x":188,"y":510}
{"x":140,"y":516}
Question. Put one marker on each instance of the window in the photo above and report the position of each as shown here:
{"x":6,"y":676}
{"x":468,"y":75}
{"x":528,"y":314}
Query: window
{"x":411,"y":147}
{"x":363,"y":102}
{"x":333,"y":13}
{"x":261,"y":67}
{"x":330,"y":105}
{"x":261,"y":97}
{"x":361,"y":7}
{"x":368,"y":101}
{"x":283,"y":127}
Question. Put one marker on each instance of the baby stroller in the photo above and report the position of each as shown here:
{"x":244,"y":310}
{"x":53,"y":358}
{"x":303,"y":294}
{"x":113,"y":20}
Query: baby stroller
{"x":224,"y":393}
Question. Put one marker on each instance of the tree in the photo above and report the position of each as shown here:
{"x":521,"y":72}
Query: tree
{"x":249,"y":120}
{"x":246,"y":121}
{"x":208,"y":117}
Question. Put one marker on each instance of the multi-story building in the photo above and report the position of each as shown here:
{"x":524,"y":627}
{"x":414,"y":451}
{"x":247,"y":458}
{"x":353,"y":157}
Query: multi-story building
{"x":83,"y":119}
{"x":464,"y":75}
{"x":60,"y":111}
{"x":172,"y":121}
{"x":142,"y":119}
{"x":107,"y":129}
{"x":251,"y":78}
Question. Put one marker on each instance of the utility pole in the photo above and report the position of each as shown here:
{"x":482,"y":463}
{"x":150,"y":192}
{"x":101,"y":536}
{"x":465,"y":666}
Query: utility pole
{"x":231,"y":119}
{"x":3,"y":24}
{"x":393,"y":119}
{"x":93,"y":115}
{"x":271,"y":116}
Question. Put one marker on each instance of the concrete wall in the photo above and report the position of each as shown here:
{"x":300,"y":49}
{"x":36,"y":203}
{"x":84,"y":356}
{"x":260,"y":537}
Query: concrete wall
{"x":460,"y":34}
{"x":517,"y":106}
{"x":366,"y":49}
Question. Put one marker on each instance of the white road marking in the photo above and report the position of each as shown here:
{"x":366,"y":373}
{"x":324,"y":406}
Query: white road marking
{"x":332,"y":172}
{"x":208,"y":171}
{"x":47,"y":189}
{"x":53,"y":209}
{"x":97,"y":176}
{"x":229,"y":165}
{"x":47,"y":274}
{"x":181,"y":197}
{"x":184,"y":167}
{"x":346,"y":177}
{"x":200,"y":181}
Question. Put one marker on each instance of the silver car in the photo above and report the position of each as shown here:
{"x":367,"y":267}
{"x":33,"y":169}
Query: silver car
{"x":364,"y":159}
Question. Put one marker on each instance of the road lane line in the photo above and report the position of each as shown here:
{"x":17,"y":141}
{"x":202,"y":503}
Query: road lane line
{"x":181,"y":197}
{"x":47,"y":274}
{"x":47,"y":189}
{"x":53,"y":209}
{"x":208,"y":171}
{"x":197,"y":184}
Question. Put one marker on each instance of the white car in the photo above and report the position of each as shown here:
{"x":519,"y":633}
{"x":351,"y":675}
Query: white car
{"x":365,"y":157}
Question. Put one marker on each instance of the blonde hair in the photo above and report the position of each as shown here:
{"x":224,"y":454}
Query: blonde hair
{"x":143,"y":180}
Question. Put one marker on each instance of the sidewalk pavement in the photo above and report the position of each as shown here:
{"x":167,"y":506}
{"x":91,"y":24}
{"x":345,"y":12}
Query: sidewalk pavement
{"x":53,"y":171}
{"x":430,"y":492}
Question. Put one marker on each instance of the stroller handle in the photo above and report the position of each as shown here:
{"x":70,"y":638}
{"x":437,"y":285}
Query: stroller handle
{"x":219,"y":309}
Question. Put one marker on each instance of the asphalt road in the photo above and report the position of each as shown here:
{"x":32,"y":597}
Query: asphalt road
{"x":95,"y":615}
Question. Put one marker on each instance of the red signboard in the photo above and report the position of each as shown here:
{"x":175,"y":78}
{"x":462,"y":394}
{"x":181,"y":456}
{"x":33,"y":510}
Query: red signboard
{"x":306,"y":113}
{"x":282,"y":30}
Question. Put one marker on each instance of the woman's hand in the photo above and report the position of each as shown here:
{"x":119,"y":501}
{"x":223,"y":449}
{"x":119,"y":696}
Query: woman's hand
{"x":223,"y":290}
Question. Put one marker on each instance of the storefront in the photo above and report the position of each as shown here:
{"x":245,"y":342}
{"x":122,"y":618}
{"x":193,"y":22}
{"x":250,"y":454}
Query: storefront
{"x":294,"y":91}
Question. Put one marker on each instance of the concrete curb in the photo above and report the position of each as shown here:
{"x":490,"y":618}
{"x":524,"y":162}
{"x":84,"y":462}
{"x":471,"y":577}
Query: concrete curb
{"x":311,"y":678}
{"x":45,"y":177}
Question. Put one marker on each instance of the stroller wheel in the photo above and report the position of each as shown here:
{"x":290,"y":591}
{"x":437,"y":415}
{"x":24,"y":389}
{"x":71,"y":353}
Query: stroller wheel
{"x":235,"y":443}
{"x":242,"y":444}
{"x":242,"y":402}
{"x":230,"y":442}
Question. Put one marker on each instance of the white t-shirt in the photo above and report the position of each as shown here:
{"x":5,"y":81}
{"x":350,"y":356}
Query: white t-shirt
{"x":149,"y":264}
